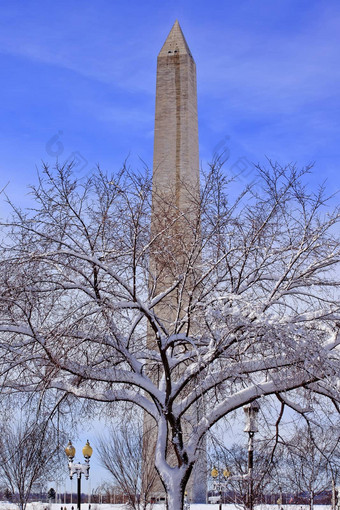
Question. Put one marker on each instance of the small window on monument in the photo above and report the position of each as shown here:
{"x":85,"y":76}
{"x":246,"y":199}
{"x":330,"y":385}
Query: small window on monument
{"x":169,"y":51}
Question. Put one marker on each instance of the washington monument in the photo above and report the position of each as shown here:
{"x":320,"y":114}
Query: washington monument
{"x":175,"y":206}
{"x":175,"y":184}
{"x":176,"y":163}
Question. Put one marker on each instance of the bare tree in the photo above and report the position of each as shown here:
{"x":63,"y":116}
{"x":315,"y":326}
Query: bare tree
{"x":121,"y":451}
{"x":28,"y":449}
{"x":255,"y":311}
{"x":234,"y":461}
{"x":309,"y":460}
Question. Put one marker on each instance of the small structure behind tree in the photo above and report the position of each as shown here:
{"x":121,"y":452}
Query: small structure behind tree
{"x":51,"y":494}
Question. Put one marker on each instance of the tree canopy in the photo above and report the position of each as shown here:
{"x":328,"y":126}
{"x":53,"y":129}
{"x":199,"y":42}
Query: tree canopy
{"x":250,"y":308}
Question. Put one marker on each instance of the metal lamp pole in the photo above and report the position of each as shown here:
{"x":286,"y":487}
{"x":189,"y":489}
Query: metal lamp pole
{"x":78,"y":468}
{"x":220,"y":485}
{"x":251,"y":411}
{"x":214,"y":474}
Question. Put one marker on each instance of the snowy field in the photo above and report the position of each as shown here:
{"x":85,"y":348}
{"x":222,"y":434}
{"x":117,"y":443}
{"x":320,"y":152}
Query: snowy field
{"x":96,"y":506}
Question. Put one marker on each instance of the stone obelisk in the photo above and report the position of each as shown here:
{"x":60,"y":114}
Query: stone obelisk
{"x":175,"y":181}
{"x":176,"y":163}
{"x":175,"y":195}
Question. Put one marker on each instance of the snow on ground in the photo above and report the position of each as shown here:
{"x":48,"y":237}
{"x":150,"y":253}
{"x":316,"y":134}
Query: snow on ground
{"x":96,"y":506}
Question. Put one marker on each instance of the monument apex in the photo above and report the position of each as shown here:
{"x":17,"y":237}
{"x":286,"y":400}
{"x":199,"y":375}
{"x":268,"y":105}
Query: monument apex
{"x":175,"y":42}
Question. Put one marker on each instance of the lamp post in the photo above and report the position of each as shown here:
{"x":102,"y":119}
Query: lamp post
{"x":186,"y":505}
{"x":251,"y":412}
{"x":220,"y":485}
{"x":337,"y":504}
{"x":78,"y":468}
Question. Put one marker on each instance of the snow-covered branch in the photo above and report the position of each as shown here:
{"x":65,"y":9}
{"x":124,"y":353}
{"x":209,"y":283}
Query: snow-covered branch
{"x":218,"y":305}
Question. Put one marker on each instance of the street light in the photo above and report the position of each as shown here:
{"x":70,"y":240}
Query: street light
{"x":78,"y":468}
{"x":220,"y":485}
{"x":186,"y":505}
{"x":251,"y":413}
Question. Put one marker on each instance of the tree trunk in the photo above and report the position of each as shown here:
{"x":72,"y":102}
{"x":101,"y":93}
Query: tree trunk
{"x":175,"y":498}
{"x":333,"y":494}
{"x":311,"y":503}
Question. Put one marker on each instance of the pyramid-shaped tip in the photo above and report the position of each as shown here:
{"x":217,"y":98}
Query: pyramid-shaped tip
{"x":175,"y":43}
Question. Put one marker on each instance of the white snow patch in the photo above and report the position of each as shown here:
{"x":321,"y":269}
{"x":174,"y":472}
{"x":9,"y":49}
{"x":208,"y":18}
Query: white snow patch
{"x":97,"y":506}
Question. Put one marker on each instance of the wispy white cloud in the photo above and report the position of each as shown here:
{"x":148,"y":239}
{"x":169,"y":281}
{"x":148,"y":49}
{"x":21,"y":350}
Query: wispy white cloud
{"x":268,"y":73}
{"x":279,"y":73}
{"x":99,"y":53}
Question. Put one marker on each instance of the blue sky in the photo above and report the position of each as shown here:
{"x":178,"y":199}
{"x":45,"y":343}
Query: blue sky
{"x":77,"y":79}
